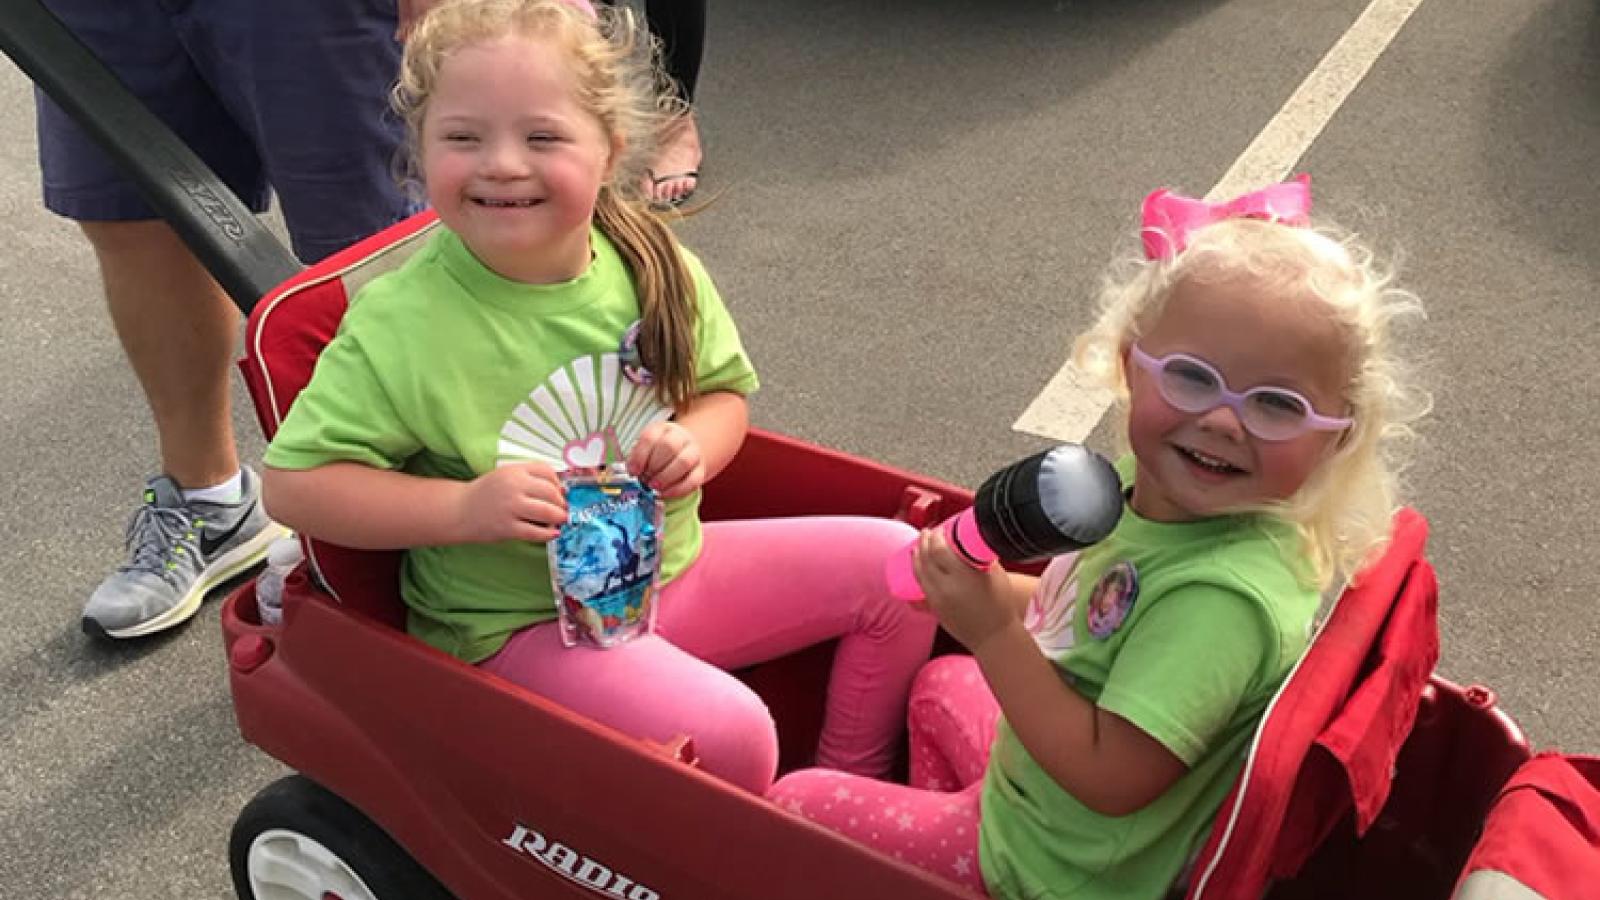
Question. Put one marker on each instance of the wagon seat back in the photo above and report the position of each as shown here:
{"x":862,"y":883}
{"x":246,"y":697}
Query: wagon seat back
{"x":1326,"y":748}
{"x":283,"y":337}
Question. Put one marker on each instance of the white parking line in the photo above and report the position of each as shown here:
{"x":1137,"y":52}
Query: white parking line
{"x":1068,"y":409}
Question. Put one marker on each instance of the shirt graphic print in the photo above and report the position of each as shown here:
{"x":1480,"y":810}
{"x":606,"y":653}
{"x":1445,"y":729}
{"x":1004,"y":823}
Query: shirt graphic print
{"x":587,"y":413}
{"x":1051,"y":608}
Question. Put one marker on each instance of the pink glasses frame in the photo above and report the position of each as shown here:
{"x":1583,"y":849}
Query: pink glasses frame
{"x":1234,"y":400}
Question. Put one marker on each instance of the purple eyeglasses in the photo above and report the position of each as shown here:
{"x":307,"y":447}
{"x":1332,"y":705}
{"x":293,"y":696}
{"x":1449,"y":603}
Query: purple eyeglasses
{"x":1270,"y":413}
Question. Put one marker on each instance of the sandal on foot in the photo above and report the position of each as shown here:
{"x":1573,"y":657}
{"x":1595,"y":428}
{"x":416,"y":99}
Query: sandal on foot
{"x":657,"y":181}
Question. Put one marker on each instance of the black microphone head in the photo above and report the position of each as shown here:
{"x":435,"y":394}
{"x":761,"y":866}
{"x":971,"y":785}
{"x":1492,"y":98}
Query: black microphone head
{"x":1053,"y":502}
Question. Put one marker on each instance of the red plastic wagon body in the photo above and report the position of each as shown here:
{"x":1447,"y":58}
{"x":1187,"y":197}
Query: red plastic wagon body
{"x":500,"y":794}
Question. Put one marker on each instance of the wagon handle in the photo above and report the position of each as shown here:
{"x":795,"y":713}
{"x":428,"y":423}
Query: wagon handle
{"x":239,"y":252}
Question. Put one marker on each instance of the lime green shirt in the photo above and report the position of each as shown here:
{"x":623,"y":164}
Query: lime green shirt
{"x":445,"y":369}
{"x":1211,"y":619}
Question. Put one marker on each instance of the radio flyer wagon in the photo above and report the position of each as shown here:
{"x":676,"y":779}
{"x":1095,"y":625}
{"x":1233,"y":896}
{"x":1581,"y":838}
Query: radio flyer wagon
{"x":419,"y":777}
{"x":422,"y":776}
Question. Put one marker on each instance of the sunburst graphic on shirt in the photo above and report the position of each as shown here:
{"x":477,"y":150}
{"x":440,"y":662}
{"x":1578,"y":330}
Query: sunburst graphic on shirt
{"x":585,"y":414}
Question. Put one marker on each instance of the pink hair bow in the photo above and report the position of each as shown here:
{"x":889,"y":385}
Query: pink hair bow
{"x":1169,"y":218}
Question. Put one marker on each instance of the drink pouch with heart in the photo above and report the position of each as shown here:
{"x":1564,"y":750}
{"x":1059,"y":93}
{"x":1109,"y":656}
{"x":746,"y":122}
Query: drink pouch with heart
{"x":605,"y":564}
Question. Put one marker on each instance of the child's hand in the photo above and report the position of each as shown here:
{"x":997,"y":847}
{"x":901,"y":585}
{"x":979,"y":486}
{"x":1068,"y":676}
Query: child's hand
{"x":519,"y":502}
{"x":667,"y":457}
{"x":971,"y":604}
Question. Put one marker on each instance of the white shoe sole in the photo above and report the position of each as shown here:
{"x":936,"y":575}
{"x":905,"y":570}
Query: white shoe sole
{"x":227,"y":566}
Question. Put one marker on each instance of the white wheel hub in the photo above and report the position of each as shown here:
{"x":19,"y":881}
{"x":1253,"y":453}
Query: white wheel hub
{"x":288,"y":865}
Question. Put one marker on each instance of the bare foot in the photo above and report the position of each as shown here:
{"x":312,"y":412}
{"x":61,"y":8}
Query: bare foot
{"x":675,"y":173}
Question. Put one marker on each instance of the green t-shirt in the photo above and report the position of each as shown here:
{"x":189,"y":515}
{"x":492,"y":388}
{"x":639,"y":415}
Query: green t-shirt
{"x":445,"y":369}
{"x":1185,"y":630}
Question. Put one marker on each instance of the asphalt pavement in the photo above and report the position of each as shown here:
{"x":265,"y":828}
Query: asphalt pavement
{"x":912,"y":204}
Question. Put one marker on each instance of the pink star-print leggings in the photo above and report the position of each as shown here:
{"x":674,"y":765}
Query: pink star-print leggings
{"x":932,"y":822}
{"x":760,"y":589}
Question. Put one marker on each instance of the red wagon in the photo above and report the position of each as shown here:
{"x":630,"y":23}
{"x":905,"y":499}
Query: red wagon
{"x":422,"y":776}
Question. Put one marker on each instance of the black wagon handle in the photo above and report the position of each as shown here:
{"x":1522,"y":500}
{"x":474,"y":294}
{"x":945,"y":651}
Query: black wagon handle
{"x":240,"y":253}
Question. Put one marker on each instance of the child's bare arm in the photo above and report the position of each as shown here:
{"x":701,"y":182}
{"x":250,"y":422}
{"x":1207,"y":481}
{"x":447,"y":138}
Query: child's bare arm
{"x":359,"y":506}
{"x":1022,"y":588}
{"x":1107,"y":763}
{"x":719,"y":420}
{"x":1110,"y":765}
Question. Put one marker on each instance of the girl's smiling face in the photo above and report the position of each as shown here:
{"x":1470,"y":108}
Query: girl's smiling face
{"x":512,"y":161}
{"x":1197,"y":465}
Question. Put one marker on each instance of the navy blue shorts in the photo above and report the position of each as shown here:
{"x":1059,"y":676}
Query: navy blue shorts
{"x":276,"y":96}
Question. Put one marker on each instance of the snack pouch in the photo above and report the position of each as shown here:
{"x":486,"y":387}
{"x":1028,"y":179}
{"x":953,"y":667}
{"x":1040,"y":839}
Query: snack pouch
{"x":605,"y":564}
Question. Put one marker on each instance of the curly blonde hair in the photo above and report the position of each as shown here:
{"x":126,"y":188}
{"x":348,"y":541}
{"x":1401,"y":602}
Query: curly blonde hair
{"x":619,"y":80}
{"x":1344,"y":510}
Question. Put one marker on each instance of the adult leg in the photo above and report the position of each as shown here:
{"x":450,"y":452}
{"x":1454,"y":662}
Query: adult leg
{"x":681,"y":26}
{"x":176,"y":326}
{"x":763,"y":588}
{"x":200,"y":523}
{"x":178,"y":330}
{"x":650,"y":689}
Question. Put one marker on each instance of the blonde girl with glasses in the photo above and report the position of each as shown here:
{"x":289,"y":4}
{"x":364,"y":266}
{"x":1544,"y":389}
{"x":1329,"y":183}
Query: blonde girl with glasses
{"x":1084,"y":746}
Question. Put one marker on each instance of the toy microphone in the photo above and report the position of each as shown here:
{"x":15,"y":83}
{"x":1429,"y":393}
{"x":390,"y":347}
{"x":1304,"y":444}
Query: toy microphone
{"x":1051,"y":503}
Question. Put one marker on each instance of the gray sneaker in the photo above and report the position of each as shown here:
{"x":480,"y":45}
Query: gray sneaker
{"x":177,"y":552}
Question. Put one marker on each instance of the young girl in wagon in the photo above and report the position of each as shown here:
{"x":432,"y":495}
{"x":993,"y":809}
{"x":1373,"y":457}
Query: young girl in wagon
{"x":1083,"y":748}
{"x":553,"y":321}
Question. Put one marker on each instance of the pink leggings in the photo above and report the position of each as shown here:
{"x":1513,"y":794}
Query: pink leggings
{"x":760,"y":589}
{"x":933,"y":822}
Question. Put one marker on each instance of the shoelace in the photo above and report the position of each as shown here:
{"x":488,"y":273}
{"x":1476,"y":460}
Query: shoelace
{"x":154,"y":536}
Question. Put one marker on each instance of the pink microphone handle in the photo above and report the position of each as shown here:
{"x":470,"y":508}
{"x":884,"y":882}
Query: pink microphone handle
{"x":961,"y":531}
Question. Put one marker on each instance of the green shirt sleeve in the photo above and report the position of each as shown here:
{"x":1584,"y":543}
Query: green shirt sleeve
{"x":1187,"y":667}
{"x":721,"y":363}
{"x":344,"y":414}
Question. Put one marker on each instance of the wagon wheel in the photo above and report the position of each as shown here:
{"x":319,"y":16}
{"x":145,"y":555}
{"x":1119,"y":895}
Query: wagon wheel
{"x":297,"y":841}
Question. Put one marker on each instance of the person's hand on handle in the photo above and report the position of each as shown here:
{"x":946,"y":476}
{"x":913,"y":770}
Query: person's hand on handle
{"x":972,"y":604}
{"x":667,"y":457}
{"x":517,"y":502}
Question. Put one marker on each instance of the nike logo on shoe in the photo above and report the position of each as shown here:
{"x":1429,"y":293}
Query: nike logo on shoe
{"x":210,"y":544}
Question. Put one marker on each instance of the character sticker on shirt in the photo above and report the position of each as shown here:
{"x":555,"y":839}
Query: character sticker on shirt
{"x":587,"y":413}
{"x":1112,"y":599}
{"x":633,"y":367}
{"x":1050,"y":610}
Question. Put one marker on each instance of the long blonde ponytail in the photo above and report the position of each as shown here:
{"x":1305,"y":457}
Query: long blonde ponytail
{"x":665,"y":287}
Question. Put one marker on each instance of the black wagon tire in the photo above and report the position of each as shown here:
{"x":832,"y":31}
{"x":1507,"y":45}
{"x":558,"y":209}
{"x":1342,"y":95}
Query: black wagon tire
{"x":295,"y":840}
